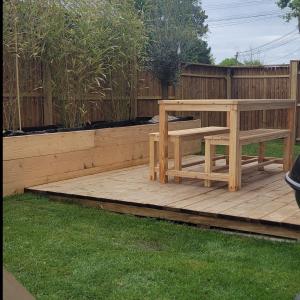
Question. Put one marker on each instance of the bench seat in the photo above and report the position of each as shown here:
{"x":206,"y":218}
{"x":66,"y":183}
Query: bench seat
{"x":192,"y":132}
{"x":247,"y":137}
{"x":177,"y":137}
{"x":250,"y":136}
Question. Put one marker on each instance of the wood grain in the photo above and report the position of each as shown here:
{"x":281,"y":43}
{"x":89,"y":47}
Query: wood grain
{"x":37,"y":159}
{"x":265,"y":205}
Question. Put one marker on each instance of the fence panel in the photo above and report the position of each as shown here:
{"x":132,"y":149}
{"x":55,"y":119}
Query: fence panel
{"x":264,"y":82}
{"x":196,"y":82}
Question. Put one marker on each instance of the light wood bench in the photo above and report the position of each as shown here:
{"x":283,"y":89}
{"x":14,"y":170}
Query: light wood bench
{"x":176,"y":137}
{"x":259,"y":136}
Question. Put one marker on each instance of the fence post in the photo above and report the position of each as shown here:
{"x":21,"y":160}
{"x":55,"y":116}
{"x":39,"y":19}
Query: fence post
{"x":228,"y":83}
{"x":228,"y":91}
{"x":294,"y":69}
{"x":47,"y":93}
{"x":265,"y":96}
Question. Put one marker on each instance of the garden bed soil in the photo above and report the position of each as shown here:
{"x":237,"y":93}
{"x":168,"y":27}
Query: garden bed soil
{"x":88,"y":126}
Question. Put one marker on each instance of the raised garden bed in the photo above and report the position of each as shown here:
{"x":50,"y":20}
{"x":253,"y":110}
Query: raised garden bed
{"x":88,"y":126}
{"x":42,"y":158}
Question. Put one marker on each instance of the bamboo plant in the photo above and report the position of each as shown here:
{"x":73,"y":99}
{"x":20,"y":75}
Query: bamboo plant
{"x":91,"y":47}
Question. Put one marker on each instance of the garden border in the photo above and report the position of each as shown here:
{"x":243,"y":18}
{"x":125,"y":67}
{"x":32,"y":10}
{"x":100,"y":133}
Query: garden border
{"x":39,"y":159}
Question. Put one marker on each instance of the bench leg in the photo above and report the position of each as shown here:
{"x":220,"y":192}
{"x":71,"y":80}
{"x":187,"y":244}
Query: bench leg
{"x":286,"y":158}
{"x":213,"y":154}
{"x":152,"y":158}
{"x":209,"y":151}
{"x":261,"y":155}
{"x":227,"y":155}
{"x":177,"y":158}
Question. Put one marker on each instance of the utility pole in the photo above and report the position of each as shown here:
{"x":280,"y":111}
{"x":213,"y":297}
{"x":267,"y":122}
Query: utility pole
{"x":236,"y":56}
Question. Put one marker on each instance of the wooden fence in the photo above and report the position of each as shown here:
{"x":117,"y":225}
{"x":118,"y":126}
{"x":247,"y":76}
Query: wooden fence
{"x":196,"y":82}
{"x":213,"y":82}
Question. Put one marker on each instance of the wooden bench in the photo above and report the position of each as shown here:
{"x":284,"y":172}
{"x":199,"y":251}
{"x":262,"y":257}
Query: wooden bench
{"x":176,"y":137}
{"x":247,"y":137}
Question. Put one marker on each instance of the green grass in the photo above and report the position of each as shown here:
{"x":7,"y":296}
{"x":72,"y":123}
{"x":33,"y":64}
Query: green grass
{"x":64,"y":251}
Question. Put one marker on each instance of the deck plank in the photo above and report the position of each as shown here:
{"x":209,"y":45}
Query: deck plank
{"x":264,"y":199}
{"x":294,"y":219}
{"x":284,"y":213}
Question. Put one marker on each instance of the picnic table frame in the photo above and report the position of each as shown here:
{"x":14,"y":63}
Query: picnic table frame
{"x":233,"y":108}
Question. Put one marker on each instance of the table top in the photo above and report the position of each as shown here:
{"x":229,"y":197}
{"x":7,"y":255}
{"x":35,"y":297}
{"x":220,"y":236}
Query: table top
{"x":227,"y":101}
{"x":227,"y":104}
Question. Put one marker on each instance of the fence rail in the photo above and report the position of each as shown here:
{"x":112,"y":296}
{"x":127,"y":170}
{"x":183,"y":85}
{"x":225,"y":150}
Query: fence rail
{"x":196,"y":82}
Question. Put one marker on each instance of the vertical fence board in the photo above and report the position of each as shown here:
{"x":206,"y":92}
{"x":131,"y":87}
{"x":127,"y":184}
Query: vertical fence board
{"x":197,"y":82}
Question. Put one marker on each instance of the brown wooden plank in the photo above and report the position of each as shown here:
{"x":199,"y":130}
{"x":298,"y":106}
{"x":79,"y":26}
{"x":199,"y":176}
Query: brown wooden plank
{"x":208,"y":221}
{"x":37,"y":159}
{"x":130,"y":187}
{"x":283,"y":213}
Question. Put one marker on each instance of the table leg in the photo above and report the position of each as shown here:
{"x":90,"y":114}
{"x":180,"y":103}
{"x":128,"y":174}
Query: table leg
{"x":163,"y":144}
{"x":177,"y":158}
{"x":227,"y":147}
{"x":209,"y":151}
{"x":152,"y":157}
{"x":290,"y":141}
{"x":234,"y":151}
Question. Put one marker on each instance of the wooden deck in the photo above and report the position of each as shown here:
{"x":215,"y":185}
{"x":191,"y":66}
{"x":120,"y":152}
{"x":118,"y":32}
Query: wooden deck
{"x":265,"y":204}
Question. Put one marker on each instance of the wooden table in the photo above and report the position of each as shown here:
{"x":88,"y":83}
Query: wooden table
{"x":233,"y":108}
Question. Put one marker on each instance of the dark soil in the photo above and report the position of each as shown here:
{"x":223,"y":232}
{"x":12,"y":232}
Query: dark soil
{"x":94,"y":125}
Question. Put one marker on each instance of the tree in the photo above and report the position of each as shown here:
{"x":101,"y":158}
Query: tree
{"x":175,"y":29}
{"x":294,"y":9}
{"x":198,"y":52}
{"x":252,"y":62}
{"x":230,"y":62}
{"x":233,"y":62}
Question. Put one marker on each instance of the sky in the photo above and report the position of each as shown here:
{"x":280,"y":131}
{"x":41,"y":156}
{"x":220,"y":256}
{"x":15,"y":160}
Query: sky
{"x":228,"y":35}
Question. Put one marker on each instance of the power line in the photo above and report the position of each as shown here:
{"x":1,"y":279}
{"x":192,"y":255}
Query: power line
{"x":289,"y":34}
{"x":269,"y":48}
{"x":285,"y":56}
{"x":266,"y":50}
{"x":258,"y":53}
{"x":289,"y":54}
{"x":232,"y":18}
{"x":234,"y":5}
{"x":242,"y":22}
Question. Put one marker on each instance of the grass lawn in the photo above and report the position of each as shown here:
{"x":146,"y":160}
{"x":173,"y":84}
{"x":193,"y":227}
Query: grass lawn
{"x":64,"y":251}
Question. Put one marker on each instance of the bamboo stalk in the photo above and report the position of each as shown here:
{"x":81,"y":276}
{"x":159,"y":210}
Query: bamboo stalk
{"x":17,"y":71}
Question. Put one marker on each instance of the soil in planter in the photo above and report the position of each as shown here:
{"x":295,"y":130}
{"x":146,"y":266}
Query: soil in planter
{"x":93,"y":125}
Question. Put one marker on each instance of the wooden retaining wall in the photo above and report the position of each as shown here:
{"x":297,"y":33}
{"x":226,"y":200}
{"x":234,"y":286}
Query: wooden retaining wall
{"x":37,"y":159}
{"x":196,"y":82}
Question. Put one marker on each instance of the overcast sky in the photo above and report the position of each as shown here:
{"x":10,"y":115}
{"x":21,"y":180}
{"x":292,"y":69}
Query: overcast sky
{"x":244,"y":34}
